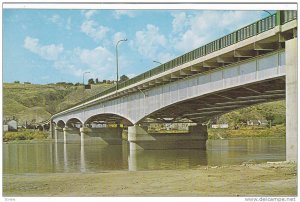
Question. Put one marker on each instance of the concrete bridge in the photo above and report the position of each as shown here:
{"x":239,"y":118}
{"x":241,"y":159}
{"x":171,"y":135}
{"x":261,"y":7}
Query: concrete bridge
{"x":255,"y":64}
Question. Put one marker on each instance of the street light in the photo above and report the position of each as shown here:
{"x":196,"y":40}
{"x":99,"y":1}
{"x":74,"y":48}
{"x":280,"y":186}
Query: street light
{"x":118,"y":61}
{"x":157,"y":62}
{"x":83,"y":76}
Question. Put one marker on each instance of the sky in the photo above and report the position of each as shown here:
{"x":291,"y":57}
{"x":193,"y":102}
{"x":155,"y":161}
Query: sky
{"x":49,"y":46}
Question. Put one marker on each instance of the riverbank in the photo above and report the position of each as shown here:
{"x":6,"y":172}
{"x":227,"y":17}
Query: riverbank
{"x":274,"y":131}
{"x":266,"y":179}
{"x":25,"y":135}
{"x":255,"y":131}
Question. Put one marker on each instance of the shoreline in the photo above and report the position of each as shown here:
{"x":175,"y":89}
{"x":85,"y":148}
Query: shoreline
{"x":271,"y":178}
{"x":47,"y":140}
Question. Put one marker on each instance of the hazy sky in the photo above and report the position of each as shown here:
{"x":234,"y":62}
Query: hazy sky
{"x":49,"y":46}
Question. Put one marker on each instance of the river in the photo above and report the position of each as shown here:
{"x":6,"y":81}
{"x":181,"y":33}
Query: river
{"x":49,"y":157}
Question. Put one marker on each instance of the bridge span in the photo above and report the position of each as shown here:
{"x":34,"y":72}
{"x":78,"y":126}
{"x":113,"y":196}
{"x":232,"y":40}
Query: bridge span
{"x":255,"y":64}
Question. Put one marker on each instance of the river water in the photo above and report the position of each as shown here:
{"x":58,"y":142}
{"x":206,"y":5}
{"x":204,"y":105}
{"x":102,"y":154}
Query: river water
{"x":60,"y":158}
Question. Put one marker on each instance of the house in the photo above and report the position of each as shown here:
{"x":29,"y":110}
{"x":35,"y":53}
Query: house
{"x":257,"y":123}
{"x":263,"y":122}
{"x":5,"y":127}
{"x":223,"y":125}
{"x":12,"y":125}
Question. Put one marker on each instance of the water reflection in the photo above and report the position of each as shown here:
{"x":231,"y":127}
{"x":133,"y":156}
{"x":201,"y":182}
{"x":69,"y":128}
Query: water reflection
{"x":27,"y":158}
{"x":59,"y":157}
{"x":166,"y":159}
{"x":236,"y":151}
{"x":82,"y":159}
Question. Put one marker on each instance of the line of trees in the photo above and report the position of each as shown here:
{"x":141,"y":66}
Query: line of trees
{"x":96,"y":81}
{"x":92,"y":81}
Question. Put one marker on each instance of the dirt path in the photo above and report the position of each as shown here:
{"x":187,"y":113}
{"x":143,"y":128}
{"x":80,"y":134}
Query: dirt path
{"x":240,"y":180}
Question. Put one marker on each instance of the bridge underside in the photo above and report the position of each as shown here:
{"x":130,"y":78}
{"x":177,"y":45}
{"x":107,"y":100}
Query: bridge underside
{"x":107,"y":119}
{"x":201,"y":109}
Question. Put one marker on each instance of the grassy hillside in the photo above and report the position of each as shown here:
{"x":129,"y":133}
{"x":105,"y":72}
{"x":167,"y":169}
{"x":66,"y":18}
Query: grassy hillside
{"x":273,"y":111}
{"x":36,"y":103}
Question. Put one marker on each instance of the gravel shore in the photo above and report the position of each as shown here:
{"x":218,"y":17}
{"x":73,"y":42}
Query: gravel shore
{"x":266,"y":179}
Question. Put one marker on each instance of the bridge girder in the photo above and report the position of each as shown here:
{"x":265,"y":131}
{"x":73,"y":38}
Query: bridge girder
{"x":204,"y":107}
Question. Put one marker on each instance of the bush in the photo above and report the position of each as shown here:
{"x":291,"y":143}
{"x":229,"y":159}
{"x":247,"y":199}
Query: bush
{"x":274,"y":131}
{"x":24,"y":135}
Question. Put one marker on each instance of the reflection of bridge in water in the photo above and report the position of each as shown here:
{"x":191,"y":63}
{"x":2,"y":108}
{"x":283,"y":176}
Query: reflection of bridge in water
{"x":255,"y":64}
{"x":60,"y":158}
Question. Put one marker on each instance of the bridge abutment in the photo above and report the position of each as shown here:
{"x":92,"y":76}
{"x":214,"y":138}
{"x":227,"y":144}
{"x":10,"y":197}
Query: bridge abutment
{"x":71,"y":135}
{"x":291,"y":99}
{"x":101,"y":135}
{"x":140,"y":139}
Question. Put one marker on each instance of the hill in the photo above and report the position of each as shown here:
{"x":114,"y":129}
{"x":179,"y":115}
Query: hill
{"x":36,"y":103}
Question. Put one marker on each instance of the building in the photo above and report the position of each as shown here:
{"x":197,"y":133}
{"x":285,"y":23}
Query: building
{"x":257,"y":123}
{"x":223,"y":125}
{"x":5,"y":127}
{"x":10,"y":125}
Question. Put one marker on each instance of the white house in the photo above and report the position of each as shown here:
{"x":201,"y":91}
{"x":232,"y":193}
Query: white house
{"x":12,"y":125}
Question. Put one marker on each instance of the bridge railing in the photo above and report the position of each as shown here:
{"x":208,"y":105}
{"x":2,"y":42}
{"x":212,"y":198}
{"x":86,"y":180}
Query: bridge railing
{"x":260,"y":26}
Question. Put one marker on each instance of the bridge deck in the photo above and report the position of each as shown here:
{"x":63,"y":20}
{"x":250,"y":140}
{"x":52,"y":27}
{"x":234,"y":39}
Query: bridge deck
{"x":263,"y":36}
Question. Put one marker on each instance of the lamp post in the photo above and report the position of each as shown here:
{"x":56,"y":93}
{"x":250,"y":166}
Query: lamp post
{"x":157,"y":62}
{"x":117,"y":62}
{"x":83,"y":76}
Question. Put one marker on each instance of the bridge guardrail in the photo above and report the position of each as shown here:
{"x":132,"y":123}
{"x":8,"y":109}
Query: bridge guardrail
{"x":260,"y":26}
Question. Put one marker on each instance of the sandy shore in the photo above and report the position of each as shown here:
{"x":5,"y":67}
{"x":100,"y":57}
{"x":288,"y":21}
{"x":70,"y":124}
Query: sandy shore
{"x":276,"y":179}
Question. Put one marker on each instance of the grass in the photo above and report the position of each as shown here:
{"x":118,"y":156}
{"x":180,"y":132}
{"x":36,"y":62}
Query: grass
{"x":274,"y":131}
{"x":24,"y":135}
{"x":36,"y":103}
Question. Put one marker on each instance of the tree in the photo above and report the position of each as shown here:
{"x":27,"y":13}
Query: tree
{"x":123,"y":78}
{"x":91,"y":81}
{"x":97,"y":81}
{"x":16,"y":81}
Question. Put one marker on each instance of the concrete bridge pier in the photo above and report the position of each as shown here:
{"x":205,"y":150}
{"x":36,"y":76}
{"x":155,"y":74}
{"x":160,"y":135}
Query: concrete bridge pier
{"x":101,"y":135}
{"x":58,"y":134}
{"x":291,"y":99}
{"x":140,"y":139}
{"x":71,"y":135}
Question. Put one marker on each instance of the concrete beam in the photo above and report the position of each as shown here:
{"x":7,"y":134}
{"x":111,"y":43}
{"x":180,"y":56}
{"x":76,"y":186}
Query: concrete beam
{"x":176,"y":76}
{"x":223,"y":107}
{"x":195,"y":68}
{"x":244,"y":53}
{"x":210,"y":64}
{"x":185,"y":73}
{"x":223,"y":96}
{"x":203,"y":113}
{"x":225,"y":60}
{"x":264,"y":46}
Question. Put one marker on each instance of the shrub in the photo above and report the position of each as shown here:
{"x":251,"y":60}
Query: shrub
{"x":24,"y":135}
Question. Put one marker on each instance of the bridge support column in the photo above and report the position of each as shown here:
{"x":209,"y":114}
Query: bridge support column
{"x":58,"y":134}
{"x":51,"y":130}
{"x":291,"y":99}
{"x":71,"y":135}
{"x":140,"y":139}
{"x":101,"y":135}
